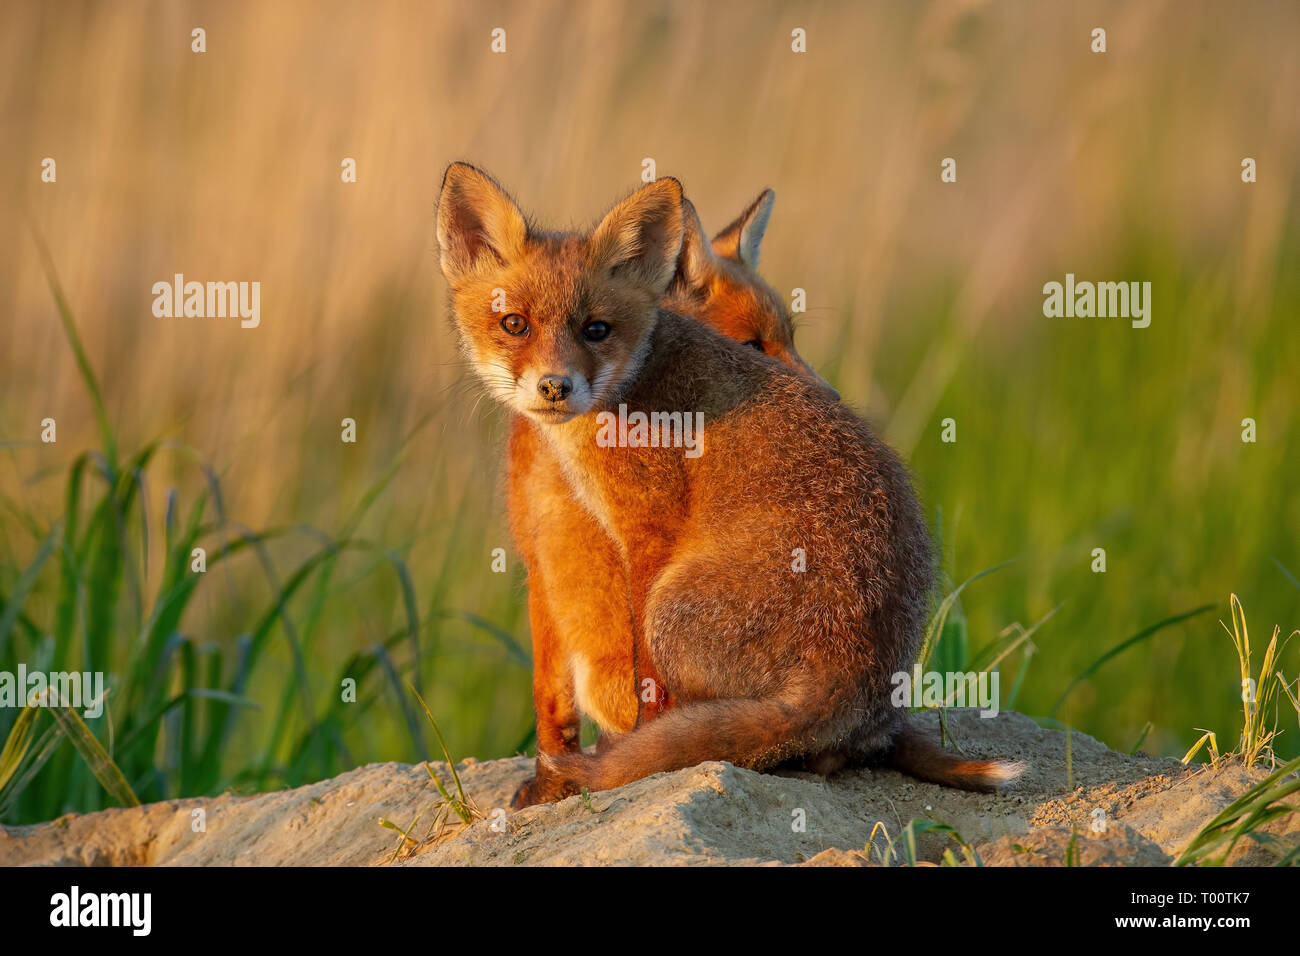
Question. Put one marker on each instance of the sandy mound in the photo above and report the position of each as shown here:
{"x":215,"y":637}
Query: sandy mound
{"x":710,"y":814}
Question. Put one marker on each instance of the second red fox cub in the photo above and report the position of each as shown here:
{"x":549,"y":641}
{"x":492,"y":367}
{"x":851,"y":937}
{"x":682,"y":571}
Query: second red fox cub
{"x":577,"y":595}
{"x":777,"y":580}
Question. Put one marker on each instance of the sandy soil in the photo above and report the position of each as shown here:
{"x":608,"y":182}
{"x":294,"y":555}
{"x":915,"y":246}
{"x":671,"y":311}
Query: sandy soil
{"x":713,"y":814}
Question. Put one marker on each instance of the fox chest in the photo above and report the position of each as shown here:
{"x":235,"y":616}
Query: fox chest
{"x":641,"y":504}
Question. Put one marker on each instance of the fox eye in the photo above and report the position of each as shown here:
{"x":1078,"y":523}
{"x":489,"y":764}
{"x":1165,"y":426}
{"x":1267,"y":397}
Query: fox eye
{"x":595,"y":331}
{"x":515,"y":324}
{"x":755,"y":344}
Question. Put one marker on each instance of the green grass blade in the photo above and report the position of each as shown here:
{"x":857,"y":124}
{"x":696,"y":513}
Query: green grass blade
{"x":442,"y":744}
{"x":15,"y":601}
{"x":412,"y":612}
{"x":1142,"y":736}
{"x":70,"y":577}
{"x":17,"y":744}
{"x":1138,"y":638}
{"x":507,"y":640}
{"x":1253,"y":808}
{"x":39,"y":754}
{"x":941,"y":616}
{"x":96,"y":757}
{"x":1286,"y":572}
{"x":74,"y":340}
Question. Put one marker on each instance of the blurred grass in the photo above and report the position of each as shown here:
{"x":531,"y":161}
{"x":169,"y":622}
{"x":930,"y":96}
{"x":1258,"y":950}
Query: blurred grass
{"x":924,"y":298}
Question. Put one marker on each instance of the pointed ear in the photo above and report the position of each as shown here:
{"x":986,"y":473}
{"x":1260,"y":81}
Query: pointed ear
{"x":740,"y":241}
{"x":641,"y":237}
{"x":477,"y":223}
{"x":696,"y":264}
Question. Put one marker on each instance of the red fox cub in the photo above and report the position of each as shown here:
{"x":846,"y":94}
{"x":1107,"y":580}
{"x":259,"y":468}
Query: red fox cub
{"x":583,"y":660}
{"x":776,"y":563}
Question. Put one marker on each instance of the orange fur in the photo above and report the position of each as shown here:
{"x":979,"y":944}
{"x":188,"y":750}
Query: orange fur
{"x":583,"y":632}
{"x":766,"y":661}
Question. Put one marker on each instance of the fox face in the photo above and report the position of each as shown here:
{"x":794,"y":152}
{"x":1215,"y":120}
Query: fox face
{"x":718,"y":283}
{"x":555,"y":324}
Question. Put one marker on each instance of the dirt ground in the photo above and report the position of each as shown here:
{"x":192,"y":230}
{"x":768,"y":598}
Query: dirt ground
{"x":713,"y":814}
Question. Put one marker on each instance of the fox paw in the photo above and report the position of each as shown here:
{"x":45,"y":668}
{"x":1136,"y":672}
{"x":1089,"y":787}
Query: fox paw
{"x":540,"y":789}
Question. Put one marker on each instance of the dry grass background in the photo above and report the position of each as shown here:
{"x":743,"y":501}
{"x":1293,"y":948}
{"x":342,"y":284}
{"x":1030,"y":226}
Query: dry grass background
{"x":924,"y":298}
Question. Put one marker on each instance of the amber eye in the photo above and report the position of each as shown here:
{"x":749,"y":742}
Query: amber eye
{"x":595,"y":331}
{"x":755,"y":344}
{"x":515,"y":324}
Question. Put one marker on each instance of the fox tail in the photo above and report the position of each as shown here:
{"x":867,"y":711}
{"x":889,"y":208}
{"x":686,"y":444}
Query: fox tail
{"x":748,"y":733}
{"x":757,"y":734}
{"x":918,"y":755}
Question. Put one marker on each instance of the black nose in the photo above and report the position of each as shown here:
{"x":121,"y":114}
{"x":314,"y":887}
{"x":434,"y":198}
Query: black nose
{"x":554,"y":388}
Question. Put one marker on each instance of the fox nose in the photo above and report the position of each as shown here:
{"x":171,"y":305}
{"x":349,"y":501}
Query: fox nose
{"x":554,"y":388}
{"x":825,"y":386}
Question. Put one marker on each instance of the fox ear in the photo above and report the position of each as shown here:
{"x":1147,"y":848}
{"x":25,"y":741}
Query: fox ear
{"x":696,"y":263}
{"x":641,"y":237}
{"x":477,"y":223}
{"x":740,"y":241}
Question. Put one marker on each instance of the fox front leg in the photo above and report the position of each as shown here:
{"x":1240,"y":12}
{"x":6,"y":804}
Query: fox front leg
{"x":558,"y":722}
